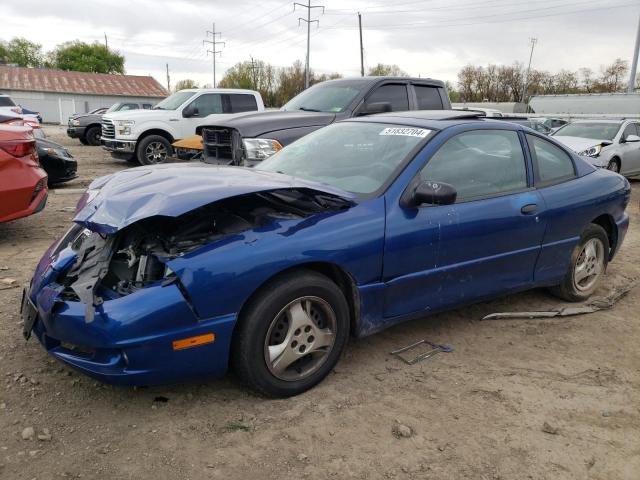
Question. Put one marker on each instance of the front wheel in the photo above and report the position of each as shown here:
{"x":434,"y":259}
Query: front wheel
{"x":153,"y":149}
{"x":588,"y":264}
{"x":92,"y":136}
{"x":291,"y":334}
{"x":614,"y":165}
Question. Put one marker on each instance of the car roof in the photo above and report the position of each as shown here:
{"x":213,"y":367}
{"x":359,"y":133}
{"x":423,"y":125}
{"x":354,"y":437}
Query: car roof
{"x":373,"y":80}
{"x":432,"y":119}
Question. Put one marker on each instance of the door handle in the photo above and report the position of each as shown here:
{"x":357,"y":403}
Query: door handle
{"x":529,"y":209}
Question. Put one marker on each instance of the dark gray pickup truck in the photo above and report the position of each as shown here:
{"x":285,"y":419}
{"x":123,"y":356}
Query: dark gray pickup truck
{"x":87,"y":127}
{"x":249,"y":139}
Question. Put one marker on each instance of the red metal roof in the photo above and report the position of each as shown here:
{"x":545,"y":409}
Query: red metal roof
{"x":61,"y":81}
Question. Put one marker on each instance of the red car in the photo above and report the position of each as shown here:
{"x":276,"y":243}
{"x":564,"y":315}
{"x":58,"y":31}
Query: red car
{"x":23,"y":183}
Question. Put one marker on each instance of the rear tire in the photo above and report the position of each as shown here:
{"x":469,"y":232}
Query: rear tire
{"x":93,"y":135}
{"x":614,"y":165}
{"x":153,"y":149}
{"x":291,"y":334}
{"x":588,"y":265}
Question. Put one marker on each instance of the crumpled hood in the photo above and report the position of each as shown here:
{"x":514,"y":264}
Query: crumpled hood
{"x":579,"y":144}
{"x":172,"y":190}
{"x":261,"y":123}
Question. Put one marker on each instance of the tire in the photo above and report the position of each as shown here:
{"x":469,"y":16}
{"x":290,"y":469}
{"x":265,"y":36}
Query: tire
{"x":83,"y":141}
{"x":92,"y":136}
{"x":291,"y":334}
{"x":614,"y":165}
{"x":153,"y":149}
{"x":590,"y":258}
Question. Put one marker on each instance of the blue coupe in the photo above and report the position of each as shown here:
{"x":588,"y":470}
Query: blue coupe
{"x":177,"y":271}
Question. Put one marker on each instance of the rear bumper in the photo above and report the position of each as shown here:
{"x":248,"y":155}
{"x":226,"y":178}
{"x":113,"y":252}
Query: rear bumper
{"x":123,"y":146}
{"x":28,"y":195}
{"x":76,"y":132}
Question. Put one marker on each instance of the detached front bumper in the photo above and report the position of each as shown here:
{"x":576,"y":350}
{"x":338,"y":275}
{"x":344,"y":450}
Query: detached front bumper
{"x":131,"y":339}
{"x":122,"y":146}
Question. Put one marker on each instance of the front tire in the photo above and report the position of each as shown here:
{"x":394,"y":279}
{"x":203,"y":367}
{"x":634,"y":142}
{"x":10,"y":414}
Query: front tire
{"x":291,"y":334}
{"x":614,"y":165}
{"x":589,"y":261}
{"x":153,"y":149}
{"x":93,"y":135}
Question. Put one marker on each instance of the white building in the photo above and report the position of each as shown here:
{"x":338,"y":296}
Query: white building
{"x":57,"y":94}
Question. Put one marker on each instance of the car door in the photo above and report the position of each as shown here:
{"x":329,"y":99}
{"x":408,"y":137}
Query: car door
{"x":629,"y":150}
{"x":484,"y":244}
{"x":566,"y":211}
{"x":201,"y":107}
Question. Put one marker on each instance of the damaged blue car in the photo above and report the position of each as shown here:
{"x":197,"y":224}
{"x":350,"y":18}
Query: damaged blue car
{"x":175,"y":272}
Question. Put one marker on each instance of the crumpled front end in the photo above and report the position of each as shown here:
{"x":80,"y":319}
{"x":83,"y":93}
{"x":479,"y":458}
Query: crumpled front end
{"x":110,"y":305}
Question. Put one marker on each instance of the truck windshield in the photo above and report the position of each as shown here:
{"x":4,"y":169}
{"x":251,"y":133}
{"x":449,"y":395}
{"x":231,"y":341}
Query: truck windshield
{"x":354,"y":156}
{"x":325,"y":97}
{"x":596,"y":130}
{"x":172,"y":102}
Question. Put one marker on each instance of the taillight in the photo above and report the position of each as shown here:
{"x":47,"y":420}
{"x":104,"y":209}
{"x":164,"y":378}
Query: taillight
{"x":19,"y":148}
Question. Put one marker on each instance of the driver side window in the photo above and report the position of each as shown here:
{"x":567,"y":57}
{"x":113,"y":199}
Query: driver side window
{"x":207,"y":104}
{"x":480,"y":163}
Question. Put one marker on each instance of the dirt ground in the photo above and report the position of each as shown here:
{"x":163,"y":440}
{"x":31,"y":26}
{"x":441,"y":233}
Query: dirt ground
{"x":476,"y":413}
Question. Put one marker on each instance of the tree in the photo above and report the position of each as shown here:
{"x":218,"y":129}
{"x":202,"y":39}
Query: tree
{"x":382,"y":70}
{"x":184,"y":84}
{"x":613,"y":76}
{"x":22,"y":52}
{"x":84,"y":57}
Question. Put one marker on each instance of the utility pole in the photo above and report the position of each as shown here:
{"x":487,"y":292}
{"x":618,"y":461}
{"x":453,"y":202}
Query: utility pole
{"x":254,"y":76}
{"x":361,"y":49}
{"x":106,"y":42}
{"x":308,"y":20}
{"x":213,"y":50}
{"x":168,"y":80}
{"x":533,"y":42}
{"x":634,"y":63}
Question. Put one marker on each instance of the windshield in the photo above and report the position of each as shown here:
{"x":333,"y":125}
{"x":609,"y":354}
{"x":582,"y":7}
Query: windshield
{"x":6,"y":102}
{"x":113,"y":108}
{"x":325,"y":97}
{"x":172,"y":102}
{"x":354,"y":156}
{"x":98,"y":110}
{"x":599,"y":131}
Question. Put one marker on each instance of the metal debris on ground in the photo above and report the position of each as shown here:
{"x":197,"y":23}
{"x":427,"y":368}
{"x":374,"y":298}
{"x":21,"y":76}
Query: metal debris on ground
{"x":435,"y":348}
{"x":597,"y":304}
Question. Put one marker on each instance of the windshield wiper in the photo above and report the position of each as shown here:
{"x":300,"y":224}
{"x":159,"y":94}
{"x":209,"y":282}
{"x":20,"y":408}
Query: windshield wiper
{"x":305,"y":109}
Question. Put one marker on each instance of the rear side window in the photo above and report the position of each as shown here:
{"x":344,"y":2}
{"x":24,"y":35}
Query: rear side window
{"x":146,"y":106}
{"x":6,"y":102}
{"x":241,"y":103}
{"x":551,"y":163}
{"x":395,"y":94}
{"x":480,"y":163}
{"x":208,"y":104}
{"x":428,"y":98}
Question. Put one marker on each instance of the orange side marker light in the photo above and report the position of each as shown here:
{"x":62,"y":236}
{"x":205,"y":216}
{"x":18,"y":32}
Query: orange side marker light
{"x":193,"y":341}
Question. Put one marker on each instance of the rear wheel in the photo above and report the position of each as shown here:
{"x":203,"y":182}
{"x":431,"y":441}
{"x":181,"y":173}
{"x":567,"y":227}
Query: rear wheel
{"x":588,"y":264}
{"x":93,"y":135}
{"x":153,"y":149}
{"x":291,"y":334}
{"x":614,"y":165}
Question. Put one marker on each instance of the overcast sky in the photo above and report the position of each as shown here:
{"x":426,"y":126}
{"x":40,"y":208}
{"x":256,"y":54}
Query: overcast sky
{"x":432,"y":38}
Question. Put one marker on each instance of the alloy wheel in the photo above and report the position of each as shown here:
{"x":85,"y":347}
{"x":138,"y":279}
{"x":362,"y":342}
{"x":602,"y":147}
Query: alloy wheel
{"x":300,"y":338}
{"x":156,"y":152}
{"x":589,"y":264}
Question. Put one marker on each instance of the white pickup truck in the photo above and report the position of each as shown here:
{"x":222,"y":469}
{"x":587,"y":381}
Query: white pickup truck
{"x":145,"y":136}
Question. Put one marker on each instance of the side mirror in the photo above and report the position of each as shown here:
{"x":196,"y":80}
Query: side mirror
{"x":190,"y":111}
{"x":375,"y":107}
{"x":631,"y":138}
{"x":429,"y":192}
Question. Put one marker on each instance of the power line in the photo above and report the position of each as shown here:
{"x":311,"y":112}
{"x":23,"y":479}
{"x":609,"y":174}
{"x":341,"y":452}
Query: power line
{"x":213,"y":50}
{"x":308,"y":21}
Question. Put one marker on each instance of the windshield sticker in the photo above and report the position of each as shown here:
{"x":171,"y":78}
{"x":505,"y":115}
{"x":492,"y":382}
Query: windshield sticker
{"x":406,"y":132}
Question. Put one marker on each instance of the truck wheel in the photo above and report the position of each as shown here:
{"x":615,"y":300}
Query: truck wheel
{"x":587,"y":266}
{"x":614,"y":165}
{"x":153,"y":149}
{"x":93,"y":135}
{"x":83,"y":141}
{"x":291,"y":334}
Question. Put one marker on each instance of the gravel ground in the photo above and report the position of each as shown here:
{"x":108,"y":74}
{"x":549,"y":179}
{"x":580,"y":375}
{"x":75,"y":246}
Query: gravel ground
{"x":517,"y":399}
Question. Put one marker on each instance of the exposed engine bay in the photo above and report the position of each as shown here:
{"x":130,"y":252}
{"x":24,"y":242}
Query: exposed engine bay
{"x":111,"y":266}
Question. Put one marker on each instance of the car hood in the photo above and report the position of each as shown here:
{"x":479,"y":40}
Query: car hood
{"x":261,"y":123}
{"x":139,"y":114}
{"x":579,"y":144}
{"x":171,"y":190}
{"x":85,"y":115}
